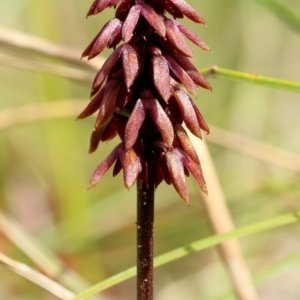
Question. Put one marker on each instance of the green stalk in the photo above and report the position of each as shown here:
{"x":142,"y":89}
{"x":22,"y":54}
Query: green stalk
{"x":256,"y":79}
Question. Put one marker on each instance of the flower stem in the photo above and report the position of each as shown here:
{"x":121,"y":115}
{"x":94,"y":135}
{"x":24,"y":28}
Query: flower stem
{"x":145,"y":239}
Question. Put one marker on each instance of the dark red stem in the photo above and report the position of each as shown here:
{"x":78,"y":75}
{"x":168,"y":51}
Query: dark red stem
{"x":145,"y":239}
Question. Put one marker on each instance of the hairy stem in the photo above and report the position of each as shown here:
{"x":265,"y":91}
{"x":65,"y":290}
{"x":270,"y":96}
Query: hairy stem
{"x":145,"y":239}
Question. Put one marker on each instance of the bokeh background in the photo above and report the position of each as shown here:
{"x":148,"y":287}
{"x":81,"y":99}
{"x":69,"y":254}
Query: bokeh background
{"x":45,"y":166}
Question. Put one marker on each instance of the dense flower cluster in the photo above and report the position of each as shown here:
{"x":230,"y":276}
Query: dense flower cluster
{"x":138,"y":96}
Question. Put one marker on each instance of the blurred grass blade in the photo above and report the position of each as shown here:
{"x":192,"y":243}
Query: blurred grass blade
{"x":282,"y":11}
{"x":17,"y":41}
{"x":40,"y":112}
{"x":277,"y":269}
{"x":280,"y":84}
{"x":194,"y":247}
{"x":43,"y":257}
{"x":269,"y":273}
{"x":254,"y":148}
{"x":36,"y":277}
{"x":48,"y":68}
{"x":218,"y":213}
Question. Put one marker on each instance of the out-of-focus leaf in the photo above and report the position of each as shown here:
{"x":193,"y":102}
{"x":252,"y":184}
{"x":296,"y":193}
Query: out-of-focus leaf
{"x":282,"y":11}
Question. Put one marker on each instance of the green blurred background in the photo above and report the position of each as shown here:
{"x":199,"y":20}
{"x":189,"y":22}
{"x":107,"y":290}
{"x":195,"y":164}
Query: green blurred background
{"x":45,"y":166}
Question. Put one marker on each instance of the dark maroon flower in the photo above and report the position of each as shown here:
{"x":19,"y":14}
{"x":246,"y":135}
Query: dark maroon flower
{"x":138,"y":96}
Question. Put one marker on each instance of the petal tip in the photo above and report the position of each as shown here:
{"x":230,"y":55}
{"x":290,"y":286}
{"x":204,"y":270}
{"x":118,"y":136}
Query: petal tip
{"x":204,"y":189}
{"x":91,"y":184}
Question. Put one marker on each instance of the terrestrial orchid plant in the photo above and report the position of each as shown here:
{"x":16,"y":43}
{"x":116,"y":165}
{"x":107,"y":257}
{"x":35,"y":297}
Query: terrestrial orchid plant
{"x":141,"y":94}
